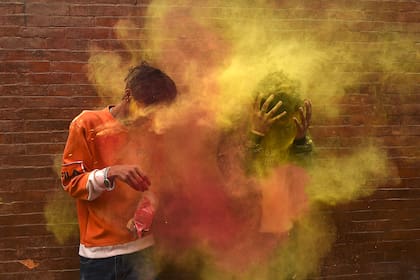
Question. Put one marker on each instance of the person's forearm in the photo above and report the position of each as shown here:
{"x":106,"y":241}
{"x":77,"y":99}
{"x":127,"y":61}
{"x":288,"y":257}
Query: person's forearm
{"x":97,"y":183}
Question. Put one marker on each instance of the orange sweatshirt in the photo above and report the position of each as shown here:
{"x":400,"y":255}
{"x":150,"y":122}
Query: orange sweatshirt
{"x":97,"y":140}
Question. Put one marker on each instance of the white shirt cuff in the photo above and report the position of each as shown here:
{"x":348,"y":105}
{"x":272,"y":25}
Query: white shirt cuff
{"x":95,"y":183}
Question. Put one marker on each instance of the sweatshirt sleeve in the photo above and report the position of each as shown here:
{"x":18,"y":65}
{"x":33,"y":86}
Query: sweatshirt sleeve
{"x":300,"y":152}
{"x":77,"y":162}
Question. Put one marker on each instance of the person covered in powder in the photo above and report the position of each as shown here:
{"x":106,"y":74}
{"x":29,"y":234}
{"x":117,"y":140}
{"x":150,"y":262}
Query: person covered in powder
{"x":263,"y":160}
{"x":278,"y":151}
{"x":105,"y":168}
{"x":279,"y":125}
{"x":273,"y":132}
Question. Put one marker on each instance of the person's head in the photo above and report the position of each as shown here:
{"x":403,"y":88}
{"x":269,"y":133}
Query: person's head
{"x":147,"y":87}
{"x":283,"y":89}
{"x":288,"y":91}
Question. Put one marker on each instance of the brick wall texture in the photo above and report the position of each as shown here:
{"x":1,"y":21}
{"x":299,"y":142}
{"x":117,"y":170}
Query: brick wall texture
{"x":44,"y":51}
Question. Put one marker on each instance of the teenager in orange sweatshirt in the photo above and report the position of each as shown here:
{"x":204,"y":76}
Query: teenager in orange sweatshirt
{"x":101,"y":171}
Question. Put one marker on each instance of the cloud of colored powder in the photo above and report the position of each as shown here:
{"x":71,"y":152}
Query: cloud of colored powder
{"x":234,"y":53}
{"x":60,"y":214}
{"x":60,"y":211}
{"x":217,"y":56}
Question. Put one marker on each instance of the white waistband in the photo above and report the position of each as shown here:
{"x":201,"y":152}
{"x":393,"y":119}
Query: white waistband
{"x":115,"y":250}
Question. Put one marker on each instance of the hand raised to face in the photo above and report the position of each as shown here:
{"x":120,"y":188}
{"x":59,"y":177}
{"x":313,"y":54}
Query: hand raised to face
{"x":302,"y":126}
{"x":263,"y":117}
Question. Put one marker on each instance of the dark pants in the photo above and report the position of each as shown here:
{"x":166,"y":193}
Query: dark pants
{"x":136,"y":266}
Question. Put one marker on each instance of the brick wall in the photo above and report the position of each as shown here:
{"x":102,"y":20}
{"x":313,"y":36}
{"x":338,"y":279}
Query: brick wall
{"x":44,"y":49}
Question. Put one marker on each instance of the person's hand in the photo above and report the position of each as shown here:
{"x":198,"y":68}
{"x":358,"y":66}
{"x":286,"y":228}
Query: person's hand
{"x":261,"y":119}
{"x":143,"y":217}
{"x":305,"y":120}
{"x":131,"y":175}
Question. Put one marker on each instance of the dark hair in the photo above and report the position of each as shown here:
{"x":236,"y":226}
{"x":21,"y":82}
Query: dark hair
{"x":283,"y":88}
{"x":150,"y":85}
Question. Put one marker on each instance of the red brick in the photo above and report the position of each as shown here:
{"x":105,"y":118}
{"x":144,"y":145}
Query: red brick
{"x":16,"y":66}
{"x":9,"y":126}
{"x":113,"y":44}
{"x":36,"y":195}
{"x":7,"y":149}
{"x":105,"y":21}
{"x":62,"y":43}
{"x":44,"y":32}
{"x":13,"y":55}
{"x":32,"y":218}
{"x":8,"y":114}
{"x":59,"y":21}
{"x":47,"y":9}
{"x":18,"y":208}
{"x":79,"y":79}
{"x":14,"y":94}
{"x":17,"y":20}
{"x":27,"y":172}
{"x":51,"y":112}
{"x":11,"y":8}
{"x":28,"y":160}
{"x":68,"y":55}
{"x":84,"y":89}
{"x":12,"y":42}
{"x":49,"y":78}
{"x":72,"y":67}
{"x":100,"y":10}
{"x":8,"y":31}
{"x":409,"y":16}
{"x":88,"y":33}
{"x":35,"y":149}
{"x":17,"y":185}
{"x":45,"y":125}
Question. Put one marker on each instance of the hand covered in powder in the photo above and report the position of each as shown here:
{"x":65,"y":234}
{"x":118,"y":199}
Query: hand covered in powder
{"x":262,"y":118}
{"x":302,"y":126}
{"x":131,"y":175}
{"x":143,"y":217}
